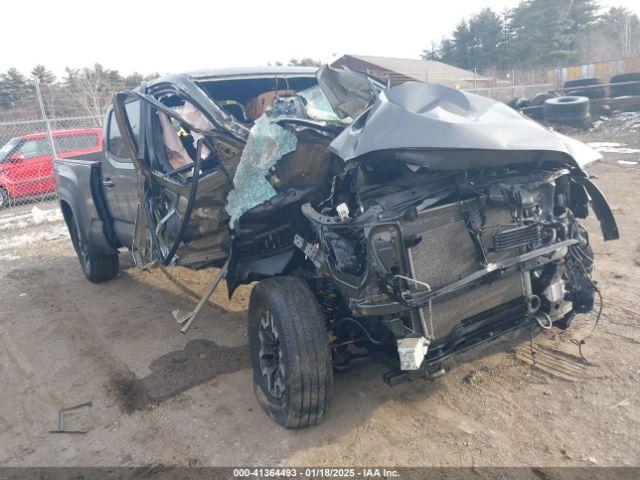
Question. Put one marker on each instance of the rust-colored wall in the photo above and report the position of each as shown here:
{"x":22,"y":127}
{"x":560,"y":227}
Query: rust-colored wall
{"x":382,"y":74}
{"x":604,"y":70}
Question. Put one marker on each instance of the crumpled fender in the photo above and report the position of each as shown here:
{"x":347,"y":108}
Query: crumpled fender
{"x":601,"y":208}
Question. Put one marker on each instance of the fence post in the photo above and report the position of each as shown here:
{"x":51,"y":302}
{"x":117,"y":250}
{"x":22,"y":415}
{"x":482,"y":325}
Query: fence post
{"x":44,"y":117}
{"x":475,"y":81}
{"x":513,"y":82}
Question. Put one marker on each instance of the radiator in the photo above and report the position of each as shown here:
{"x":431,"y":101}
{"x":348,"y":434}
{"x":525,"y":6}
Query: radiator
{"x":446,"y":253}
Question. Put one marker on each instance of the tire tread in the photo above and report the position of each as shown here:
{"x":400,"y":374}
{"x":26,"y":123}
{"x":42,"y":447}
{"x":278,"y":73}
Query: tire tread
{"x":303,"y":331}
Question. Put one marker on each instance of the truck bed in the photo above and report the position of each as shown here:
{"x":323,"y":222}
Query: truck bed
{"x":78,"y":183}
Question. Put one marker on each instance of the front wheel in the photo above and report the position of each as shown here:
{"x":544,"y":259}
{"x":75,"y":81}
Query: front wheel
{"x":97,"y":268}
{"x":290,"y":355}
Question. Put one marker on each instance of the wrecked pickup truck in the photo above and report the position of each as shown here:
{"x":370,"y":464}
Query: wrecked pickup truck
{"x":417,"y":224}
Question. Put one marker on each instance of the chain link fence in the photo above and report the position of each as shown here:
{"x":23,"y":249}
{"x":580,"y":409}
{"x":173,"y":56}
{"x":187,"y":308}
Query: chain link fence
{"x":37,"y":123}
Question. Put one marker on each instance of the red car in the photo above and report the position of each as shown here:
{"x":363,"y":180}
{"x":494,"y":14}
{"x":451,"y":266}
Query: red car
{"x":26,"y":162}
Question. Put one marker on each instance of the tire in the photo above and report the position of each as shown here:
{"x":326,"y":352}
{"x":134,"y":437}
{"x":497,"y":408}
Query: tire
{"x":633,"y":105}
{"x":515,"y":101}
{"x":539,"y":98}
{"x":625,"y":90}
{"x":625,"y":77}
{"x":581,"y":123}
{"x":566,"y":107}
{"x":583,"y":82}
{"x":285,"y":323}
{"x":97,"y":268}
{"x":588,"y":92}
{"x":537,"y":113}
{"x":601,"y":110}
{"x":5,"y":199}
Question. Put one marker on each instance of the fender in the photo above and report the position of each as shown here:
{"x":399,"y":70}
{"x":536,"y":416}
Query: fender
{"x":84,"y":210}
{"x":601,"y":208}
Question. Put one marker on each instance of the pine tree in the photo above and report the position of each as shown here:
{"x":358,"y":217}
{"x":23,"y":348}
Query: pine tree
{"x":485,"y":29}
{"x":44,"y":76}
{"x":541,"y":32}
{"x":13,"y":88}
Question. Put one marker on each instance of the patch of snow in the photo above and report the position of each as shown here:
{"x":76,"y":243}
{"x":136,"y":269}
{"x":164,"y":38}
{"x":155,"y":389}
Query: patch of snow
{"x":612,"y":147}
{"x":11,"y":217}
{"x":14,"y":225}
{"x":604,"y":144}
{"x":9,"y":257}
{"x":37,"y":216}
{"x":625,"y":162}
{"x":13,"y":241}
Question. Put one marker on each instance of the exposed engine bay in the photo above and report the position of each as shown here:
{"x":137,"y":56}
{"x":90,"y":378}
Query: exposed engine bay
{"x":464,"y":256}
{"x":426,"y":221}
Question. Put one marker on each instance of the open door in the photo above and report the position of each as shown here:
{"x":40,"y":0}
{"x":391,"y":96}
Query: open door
{"x":185,"y":164}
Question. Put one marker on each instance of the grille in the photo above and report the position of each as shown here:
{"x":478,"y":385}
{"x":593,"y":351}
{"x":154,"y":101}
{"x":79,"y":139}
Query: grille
{"x":446,"y":254}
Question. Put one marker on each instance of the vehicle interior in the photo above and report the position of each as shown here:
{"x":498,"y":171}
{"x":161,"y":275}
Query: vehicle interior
{"x":248,"y":98}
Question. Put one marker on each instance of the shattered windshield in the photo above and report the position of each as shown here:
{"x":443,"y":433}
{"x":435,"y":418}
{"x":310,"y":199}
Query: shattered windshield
{"x":267,"y":143}
{"x":318,"y":107}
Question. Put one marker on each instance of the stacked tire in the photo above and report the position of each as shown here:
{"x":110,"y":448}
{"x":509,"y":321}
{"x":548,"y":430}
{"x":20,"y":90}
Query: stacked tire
{"x":625,"y":90}
{"x":535,"y":112}
{"x":629,"y":93}
{"x":539,"y":98}
{"x":568,"y":110}
{"x":592,"y":92}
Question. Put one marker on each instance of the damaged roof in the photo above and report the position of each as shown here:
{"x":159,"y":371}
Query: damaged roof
{"x":411,"y":69}
{"x":243,"y":72}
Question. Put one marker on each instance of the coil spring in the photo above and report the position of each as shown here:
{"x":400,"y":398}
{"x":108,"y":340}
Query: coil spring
{"x":328,"y":299}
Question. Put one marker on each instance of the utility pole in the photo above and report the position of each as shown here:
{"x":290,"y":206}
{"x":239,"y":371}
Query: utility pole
{"x":44,"y":116}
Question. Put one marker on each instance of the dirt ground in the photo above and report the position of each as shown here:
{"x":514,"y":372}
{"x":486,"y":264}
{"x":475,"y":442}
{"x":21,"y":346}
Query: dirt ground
{"x":160,"y":397}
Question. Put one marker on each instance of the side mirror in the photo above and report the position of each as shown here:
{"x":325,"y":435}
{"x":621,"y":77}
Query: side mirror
{"x":16,"y":157}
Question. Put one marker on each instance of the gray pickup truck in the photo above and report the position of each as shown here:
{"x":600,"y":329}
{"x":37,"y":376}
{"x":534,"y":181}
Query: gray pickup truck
{"x":98,"y":195}
{"x":416,"y":224}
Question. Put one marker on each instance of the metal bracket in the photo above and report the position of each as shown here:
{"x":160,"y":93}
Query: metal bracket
{"x":186,"y":318}
{"x":61,"y":419}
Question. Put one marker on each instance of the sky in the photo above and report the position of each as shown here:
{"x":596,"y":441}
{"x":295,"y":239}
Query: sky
{"x":175,"y":36}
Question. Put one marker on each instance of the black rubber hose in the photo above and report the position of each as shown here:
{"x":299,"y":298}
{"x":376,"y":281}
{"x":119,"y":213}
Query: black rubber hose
{"x":373,"y":341}
{"x":187,"y":213}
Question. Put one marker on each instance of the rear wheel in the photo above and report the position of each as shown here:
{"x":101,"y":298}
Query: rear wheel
{"x":97,"y":268}
{"x":290,"y":355}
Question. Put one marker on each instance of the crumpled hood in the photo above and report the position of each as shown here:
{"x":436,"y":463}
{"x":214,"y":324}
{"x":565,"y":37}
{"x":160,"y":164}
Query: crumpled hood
{"x":444,"y":128}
